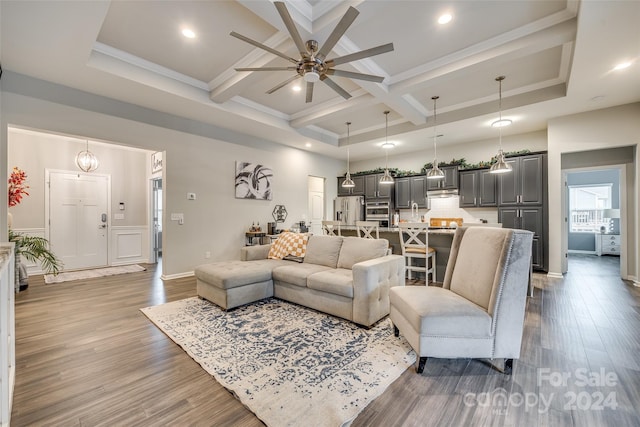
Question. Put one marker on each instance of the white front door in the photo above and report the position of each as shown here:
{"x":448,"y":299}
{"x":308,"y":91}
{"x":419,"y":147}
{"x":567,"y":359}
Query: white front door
{"x":78,"y":219}
{"x":316,"y":204}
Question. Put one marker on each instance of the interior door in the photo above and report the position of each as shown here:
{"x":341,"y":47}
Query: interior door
{"x":316,"y":204}
{"x":78,"y":219}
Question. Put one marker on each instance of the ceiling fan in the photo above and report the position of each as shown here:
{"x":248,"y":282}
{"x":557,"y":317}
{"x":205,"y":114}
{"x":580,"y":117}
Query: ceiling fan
{"x":312,"y":65}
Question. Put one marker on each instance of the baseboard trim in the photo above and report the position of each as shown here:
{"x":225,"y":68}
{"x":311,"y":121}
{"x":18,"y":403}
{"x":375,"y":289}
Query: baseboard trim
{"x":555,"y":275}
{"x":177,"y":275}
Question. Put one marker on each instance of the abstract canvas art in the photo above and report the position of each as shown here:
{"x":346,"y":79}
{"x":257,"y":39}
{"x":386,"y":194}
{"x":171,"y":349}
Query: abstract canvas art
{"x":253,"y":181}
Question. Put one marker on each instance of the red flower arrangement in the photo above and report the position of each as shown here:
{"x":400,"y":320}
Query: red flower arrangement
{"x":17,"y":186}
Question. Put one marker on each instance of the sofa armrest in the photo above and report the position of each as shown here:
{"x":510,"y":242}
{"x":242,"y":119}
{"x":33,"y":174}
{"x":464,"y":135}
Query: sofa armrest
{"x":372,"y":280}
{"x":251,"y":253}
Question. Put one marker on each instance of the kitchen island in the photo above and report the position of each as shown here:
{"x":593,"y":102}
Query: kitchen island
{"x":439,"y":239}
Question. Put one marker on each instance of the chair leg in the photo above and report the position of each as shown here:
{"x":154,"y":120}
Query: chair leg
{"x":396,"y":331}
{"x":508,"y":366}
{"x":421,"y":362}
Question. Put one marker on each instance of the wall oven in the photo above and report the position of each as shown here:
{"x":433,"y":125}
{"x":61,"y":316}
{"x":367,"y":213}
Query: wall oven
{"x":378,"y":211}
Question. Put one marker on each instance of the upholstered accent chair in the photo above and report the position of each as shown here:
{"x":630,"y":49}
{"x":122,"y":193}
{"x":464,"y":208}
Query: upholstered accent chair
{"x":368,"y":229}
{"x":479,"y":310}
{"x":331,"y":228}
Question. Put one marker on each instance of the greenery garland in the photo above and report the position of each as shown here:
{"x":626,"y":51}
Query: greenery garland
{"x":461,"y":163}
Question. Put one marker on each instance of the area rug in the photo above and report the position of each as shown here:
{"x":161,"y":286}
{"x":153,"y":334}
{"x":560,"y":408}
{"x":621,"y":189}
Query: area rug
{"x":289,"y":365}
{"x":90,"y":274}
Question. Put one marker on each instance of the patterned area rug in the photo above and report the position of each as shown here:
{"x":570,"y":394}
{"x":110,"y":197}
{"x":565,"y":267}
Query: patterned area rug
{"x":289,"y":365}
{"x":90,"y":274}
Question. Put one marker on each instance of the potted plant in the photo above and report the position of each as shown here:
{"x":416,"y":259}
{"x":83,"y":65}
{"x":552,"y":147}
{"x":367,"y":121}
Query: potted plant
{"x":33,"y":248}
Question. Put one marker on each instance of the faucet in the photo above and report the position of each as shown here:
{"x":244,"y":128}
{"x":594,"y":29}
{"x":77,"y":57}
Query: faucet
{"x":415,"y":217}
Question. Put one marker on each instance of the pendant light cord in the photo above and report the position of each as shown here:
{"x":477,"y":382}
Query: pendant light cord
{"x":500,"y":111}
{"x":348,"y":143}
{"x":386,"y":138}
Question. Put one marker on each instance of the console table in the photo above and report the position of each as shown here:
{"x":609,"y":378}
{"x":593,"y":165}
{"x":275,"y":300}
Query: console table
{"x":607,"y":244}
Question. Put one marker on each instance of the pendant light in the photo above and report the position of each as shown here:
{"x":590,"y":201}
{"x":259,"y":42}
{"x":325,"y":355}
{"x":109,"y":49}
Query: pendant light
{"x":86,"y":160}
{"x":500,"y":166}
{"x":348,"y":183}
{"x":435,"y":172}
{"x":386,"y":179}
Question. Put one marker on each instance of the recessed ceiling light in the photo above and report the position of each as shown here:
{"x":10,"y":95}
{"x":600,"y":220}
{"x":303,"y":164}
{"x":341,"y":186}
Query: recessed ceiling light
{"x":622,"y":66}
{"x":308,"y":145}
{"x":445,"y":18}
{"x":188,"y":33}
{"x":296,"y":88}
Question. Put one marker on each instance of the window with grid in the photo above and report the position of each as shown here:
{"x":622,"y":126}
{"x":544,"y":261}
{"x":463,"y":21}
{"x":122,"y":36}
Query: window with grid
{"x":586,"y":203}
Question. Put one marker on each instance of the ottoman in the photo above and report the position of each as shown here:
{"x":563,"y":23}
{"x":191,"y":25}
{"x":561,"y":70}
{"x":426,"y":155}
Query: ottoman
{"x":230,"y":284}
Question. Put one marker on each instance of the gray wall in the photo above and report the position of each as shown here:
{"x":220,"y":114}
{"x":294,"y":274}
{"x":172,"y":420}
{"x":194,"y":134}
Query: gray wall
{"x":586,"y":241}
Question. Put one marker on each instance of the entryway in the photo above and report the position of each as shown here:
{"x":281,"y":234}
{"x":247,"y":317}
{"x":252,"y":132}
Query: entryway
{"x":316,"y":204}
{"x":156,"y":212}
{"x":77,"y":218}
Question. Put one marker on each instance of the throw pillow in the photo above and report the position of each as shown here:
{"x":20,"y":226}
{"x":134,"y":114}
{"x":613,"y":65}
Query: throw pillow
{"x":287,"y":243}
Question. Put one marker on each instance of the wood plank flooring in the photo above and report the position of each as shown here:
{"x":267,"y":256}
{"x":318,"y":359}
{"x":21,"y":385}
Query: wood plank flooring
{"x":86,"y":356}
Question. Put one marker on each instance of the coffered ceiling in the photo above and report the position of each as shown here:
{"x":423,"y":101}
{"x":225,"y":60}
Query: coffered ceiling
{"x":557,"y":57}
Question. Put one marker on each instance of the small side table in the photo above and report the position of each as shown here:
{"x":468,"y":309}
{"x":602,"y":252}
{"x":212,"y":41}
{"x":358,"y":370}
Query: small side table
{"x":251,"y":237}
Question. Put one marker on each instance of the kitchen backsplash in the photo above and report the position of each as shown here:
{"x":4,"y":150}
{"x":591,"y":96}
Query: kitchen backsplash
{"x":449,"y":208}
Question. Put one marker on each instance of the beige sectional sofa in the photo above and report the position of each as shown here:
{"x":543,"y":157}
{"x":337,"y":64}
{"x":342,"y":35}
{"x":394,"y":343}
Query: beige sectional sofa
{"x":348,"y":277}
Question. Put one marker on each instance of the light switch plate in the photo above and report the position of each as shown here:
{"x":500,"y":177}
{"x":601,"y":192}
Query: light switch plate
{"x":118,"y":216}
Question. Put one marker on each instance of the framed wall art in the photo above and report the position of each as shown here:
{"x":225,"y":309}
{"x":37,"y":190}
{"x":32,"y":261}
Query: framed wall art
{"x":156,"y":162}
{"x":253,"y":181}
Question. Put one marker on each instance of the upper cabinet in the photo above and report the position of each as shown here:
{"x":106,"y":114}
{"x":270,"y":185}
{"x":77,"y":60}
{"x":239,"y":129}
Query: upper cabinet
{"x":358,"y":190}
{"x":450,"y":181}
{"x":478,"y":188}
{"x":524,"y":185}
{"x":411,"y":189}
{"x":374,"y":190}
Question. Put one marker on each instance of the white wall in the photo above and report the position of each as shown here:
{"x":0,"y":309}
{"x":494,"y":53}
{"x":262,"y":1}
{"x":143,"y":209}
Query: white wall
{"x":197,"y":159}
{"x":594,"y":130}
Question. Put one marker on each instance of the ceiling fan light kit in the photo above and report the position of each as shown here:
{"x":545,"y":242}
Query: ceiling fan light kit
{"x":500,"y":166}
{"x":312,"y":66}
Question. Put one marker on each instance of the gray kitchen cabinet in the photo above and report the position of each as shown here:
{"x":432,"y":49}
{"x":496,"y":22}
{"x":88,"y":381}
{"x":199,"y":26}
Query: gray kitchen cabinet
{"x":450,"y":181}
{"x":531,"y":219}
{"x":477,"y":188}
{"x":358,"y":190}
{"x":374,"y":190}
{"x":409,"y":190}
{"x":524,"y":185}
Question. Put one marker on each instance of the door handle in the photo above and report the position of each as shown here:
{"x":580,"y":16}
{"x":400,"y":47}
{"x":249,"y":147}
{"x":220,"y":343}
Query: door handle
{"x":102,"y":226}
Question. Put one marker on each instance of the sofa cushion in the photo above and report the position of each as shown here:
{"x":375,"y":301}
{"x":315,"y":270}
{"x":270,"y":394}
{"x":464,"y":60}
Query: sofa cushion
{"x":323,"y":250}
{"x":231,"y":274}
{"x":296,"y":274}
{"x":357,"y":249}
{"x":434,"y":311}
{"x":337,"y":281}
{"x":287,"y":243}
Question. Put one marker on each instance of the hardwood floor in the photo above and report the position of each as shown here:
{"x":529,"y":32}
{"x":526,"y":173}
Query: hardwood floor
{"x":86,"y":356}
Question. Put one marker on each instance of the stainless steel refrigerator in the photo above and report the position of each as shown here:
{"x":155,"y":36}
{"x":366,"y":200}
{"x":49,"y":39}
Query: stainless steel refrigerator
{"x":348,"y":209}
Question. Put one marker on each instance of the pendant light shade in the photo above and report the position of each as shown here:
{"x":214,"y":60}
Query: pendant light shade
{"x":500,"y":166}
{"x":86,"y":160}
{"x":435,"y":172}
{"x":348,"y":182}
{"x":386,"y":179}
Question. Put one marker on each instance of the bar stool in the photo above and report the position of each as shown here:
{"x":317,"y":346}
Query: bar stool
{"x":331,"y":228}
{"x":365,"y":228}
{"x":414,"y":240}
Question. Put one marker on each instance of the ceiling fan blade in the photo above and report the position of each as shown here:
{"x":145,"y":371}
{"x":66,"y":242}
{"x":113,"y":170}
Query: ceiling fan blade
{"x":338,"y":32}
{"x":309,"y":92}
{"x":291,"y":27}
{"x":262,"y":46}
{"x":352,"y":75}
{"x":267,"y":69}
{"x":335,"y":86}
{"x":360,"y":55}
{"x":283,"y":84}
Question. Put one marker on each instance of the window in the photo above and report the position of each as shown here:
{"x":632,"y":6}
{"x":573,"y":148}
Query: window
{"x":586,"y":203}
